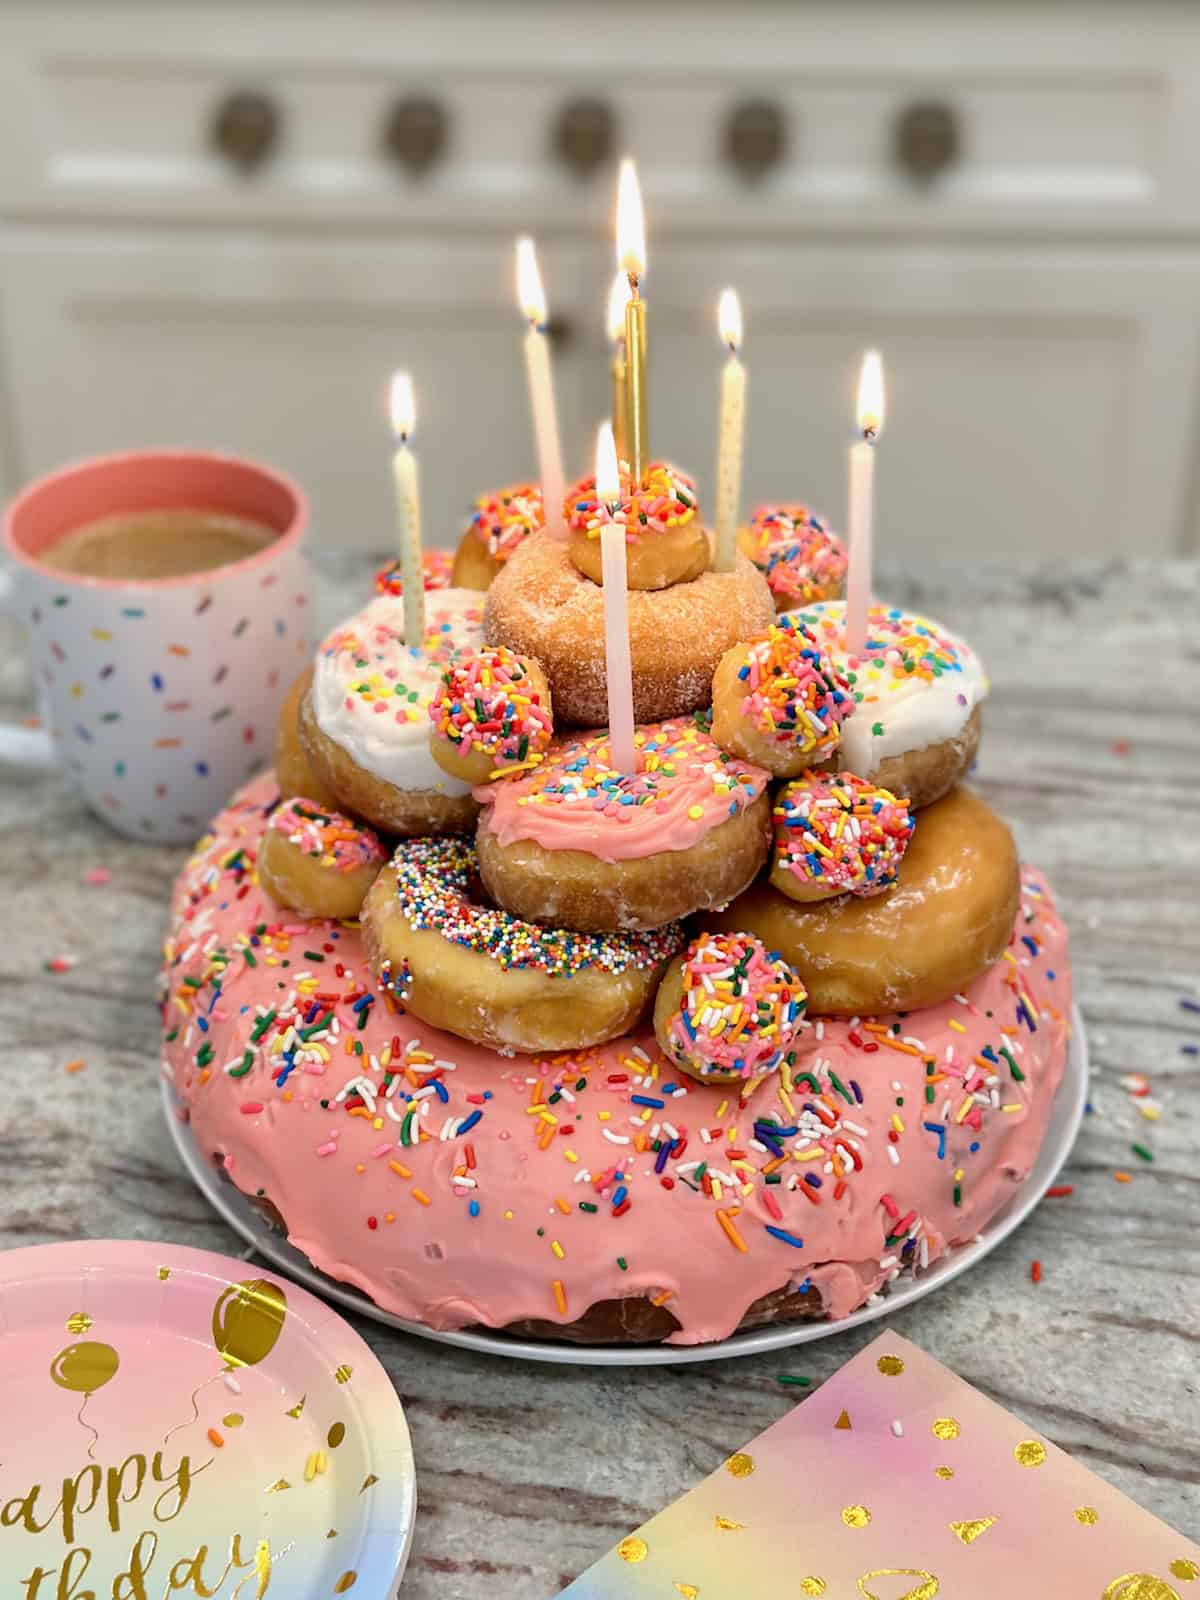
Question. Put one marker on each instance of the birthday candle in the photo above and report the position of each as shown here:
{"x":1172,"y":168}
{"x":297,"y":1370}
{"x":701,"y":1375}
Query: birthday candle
{"x":617,"y":663}
{"x":408,"y":508}
{"x":861,"y":511}
{"x":541,"y":384}
{"x":732,"y":434}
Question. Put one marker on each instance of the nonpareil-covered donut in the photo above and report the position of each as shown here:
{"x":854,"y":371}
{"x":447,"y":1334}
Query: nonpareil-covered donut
{"x":665,"y":542}
{"x":365,"y":721}
{"x":577,"y":844}
{"x":944,"y":921}
{"x":797,"y":552}
{"x":540,"y":605}
{"x":917,"y":689}
{"x":492,"y":978}
{"x":317,"y":861}
{"x":500,"y":523}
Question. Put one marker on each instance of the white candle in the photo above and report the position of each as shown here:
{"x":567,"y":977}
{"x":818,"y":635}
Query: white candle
{"x":408,"y":509}
{"x":541,"y":385}
{"x":861,"y":506}
{"x":617,"y":664}
{"x":731,"y":435}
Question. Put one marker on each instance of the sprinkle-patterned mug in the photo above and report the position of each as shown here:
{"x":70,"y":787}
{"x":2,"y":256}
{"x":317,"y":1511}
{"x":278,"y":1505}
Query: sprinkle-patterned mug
{"x":161,"y":695}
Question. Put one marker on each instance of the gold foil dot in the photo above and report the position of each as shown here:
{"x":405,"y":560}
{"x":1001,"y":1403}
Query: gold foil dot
{"x":344,"y":1373}
{"x":1087,"y":1516}
{"x":278,"y":1486}
{"x":890,"y":1366}
{"x":728,"y":1525}
{"x":633,"y":1549}
{"x":740,"y":1465}
{"x":943,"y":1472}
{"x":335,"y":1435}
{"x":1139,"y":1586}
{"x":346,"y":1581}
{"x":368,"y":1481}
{"x":855,"y":1516}
{"x":689,"y":1591}
{"x":813,"y":1586}
{"x":163,"y":1274}
{"x":945,"y":1428}
{"x":1030,"y":1453}
{"x":79,"y":1323}
{"x":1185,"y":1569}
{"x":233,"y":1420}
{"x":332,"y":1534}
{"x":968,"y":1532}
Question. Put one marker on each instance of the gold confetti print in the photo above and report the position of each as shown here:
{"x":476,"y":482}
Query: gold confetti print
{"x":968,"y":1532}
{"x":298,"y":1409}
{"x":843,"y":1420}
{"x":1087,"y":1516}
{"x":344,"y":1373}
{"x":855,"y":1516}
{"x":163,"y":1274}
{"x":925,"y":1590}
{"x":335,"y":1435}
{"x":1184,"y":1569}
{"x":367,"y":1482}
{"x":279,"y":1486}
{"x":812,"y":1586}
{"x":740,"y":1465}
{"x":346,"y":1581}
{"x":633,"y":1549}
{"x":1030,"y":1453}
{"x":79,"y":1323}
{"x":728,"y":1525}
{"x":689,"y":1591}
{"x":945,"y":1428}
{"x":890,"y":1366}
{"x":945,"y":1473}
{"x":1140,"y":1586}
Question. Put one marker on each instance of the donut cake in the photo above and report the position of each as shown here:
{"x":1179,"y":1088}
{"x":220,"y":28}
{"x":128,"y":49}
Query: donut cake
{"x":632,"y":1035}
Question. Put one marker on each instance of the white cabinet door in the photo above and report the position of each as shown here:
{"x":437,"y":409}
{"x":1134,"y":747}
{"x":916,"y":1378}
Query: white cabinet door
{"x":1041,"y":401}
{"x":283,"y":350}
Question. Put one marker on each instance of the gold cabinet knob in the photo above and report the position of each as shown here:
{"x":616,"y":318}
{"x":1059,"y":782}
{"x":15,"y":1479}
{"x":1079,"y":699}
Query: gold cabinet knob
{"x":584,"y":135}
{"x":245,"y":129}
{"x":416,"y":133}
{"x":756,"y":138}
{"x":926,"y":140}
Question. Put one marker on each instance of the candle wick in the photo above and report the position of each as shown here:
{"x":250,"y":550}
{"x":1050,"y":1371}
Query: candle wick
{"x":870,"y":435}
{"x":633,"y":284}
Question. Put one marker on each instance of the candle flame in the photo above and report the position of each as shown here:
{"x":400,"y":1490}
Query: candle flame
{"x":870,"y":395}
{"x":403,"y":405}
{"x":529,"y":283}
{"x":631,"y":224}
{"x":729,"y":318}
{"x":608,"y":476}
{"x":618,"y":299}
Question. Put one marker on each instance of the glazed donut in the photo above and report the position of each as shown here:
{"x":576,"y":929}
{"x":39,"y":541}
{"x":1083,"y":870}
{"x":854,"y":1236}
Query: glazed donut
{"x":779,"y":701}
{"x":837,"y":834}
{"x":318,"y":862}
{"x":797,"y":552}
{"x":491,"y":978}
{"x":365,"y":724}
{"x":490,"y":715}
{"x":499,"y":524}
{"x":728,"y":1010}
{"x":436,"y":566}
{"x":917,"y":689}
{"x":294,"y":771}
{"x":665,"y":542}
{"x":577,"y":844}
{"x":948,"y":917}
{"x":541,"y":606}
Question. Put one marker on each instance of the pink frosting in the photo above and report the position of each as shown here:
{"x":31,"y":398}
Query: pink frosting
{"x":451,"y":1224}
{"x":684,"y":786}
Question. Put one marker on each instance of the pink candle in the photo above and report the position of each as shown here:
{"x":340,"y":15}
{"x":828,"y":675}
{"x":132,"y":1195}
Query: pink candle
{"x":541,"y":385}
{"x":617,"y":664}
{"x":860,"y":514}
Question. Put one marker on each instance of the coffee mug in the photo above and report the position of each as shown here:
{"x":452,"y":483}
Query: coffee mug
{"x":160,"y":696}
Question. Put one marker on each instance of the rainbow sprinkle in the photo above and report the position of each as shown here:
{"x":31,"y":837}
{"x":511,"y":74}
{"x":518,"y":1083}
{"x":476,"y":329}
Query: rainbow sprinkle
{"x":331,"y":839}
{"x":741,"y":1009}
{"x":436,"y":564}
{"x":792,"y":692}
{"x":665,"y":499}
{"x":504,"y":519}
{"x":841,"y":832}
{"x":798,"y":553}
{"x":488,"y":701}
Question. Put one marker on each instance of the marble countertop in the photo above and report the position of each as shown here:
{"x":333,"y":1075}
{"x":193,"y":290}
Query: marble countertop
{"x":528,"y":1473}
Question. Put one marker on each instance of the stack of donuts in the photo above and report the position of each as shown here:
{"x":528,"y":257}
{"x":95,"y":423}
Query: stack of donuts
{"x":507,"y":1034}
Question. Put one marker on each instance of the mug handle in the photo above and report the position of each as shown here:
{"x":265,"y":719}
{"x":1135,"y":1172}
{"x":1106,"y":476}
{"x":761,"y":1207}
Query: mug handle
{"x":22,"y":747}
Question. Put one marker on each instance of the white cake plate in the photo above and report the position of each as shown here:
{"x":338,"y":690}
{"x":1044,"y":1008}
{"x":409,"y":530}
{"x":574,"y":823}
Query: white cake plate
{"x":243,"y":1218}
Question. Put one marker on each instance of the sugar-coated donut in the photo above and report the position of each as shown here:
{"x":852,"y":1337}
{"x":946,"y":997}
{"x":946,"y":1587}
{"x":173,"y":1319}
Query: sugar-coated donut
{"x":729,"y":1010}
{"x":317,"y":861}
{"x":500,"y":523}
{"x":917,"y":689}
{"x":837,"y":834}
{"x":491,"y":716}
{"x":365,"y":721}
{"x":797,"y":552}
{"x":946,"y":919}
{"x":492,"y":978}
{"x":436,"y":566}
{"x":665,"y":542}
{"x":577,"y":844}
{"x":436,"y":1175}
{"x":293,"y":769}
{"x":779,"y":701}
{"x":541,"y":606}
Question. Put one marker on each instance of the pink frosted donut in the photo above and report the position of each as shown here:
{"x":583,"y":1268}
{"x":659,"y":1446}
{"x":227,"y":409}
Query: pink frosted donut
{"x":837,"y":835}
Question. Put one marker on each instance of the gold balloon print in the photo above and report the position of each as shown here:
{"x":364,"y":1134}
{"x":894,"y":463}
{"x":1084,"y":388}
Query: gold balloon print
{"x":84,"y":1368}
{"x":1140,"y":1586}
{"x":925,"y":1590}
{"x":247,"y":1320}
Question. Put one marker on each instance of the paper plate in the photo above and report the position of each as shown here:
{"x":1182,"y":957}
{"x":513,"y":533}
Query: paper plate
{"x":177,"y":1421}
{"x":1065,"y":1117}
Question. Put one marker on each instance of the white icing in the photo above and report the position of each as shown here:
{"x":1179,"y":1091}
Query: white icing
{"x":912,"y":711}
{"x":358,"y":669}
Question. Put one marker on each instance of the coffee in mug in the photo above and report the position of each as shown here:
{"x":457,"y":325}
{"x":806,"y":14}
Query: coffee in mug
{"x":167,"y":543}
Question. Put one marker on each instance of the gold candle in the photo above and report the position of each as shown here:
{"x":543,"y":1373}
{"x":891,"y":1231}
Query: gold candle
{"x":618,"y":298}
{"x":631,"y":259}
